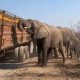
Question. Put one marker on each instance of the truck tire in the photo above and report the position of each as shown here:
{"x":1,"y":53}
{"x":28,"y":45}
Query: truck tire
{"x":22,"y":55}
{"x":26,"y":51}
{"x":16,"y":55}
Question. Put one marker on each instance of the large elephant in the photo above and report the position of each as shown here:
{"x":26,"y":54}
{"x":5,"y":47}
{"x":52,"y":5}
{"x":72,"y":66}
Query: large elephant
{"x":47,"y":37}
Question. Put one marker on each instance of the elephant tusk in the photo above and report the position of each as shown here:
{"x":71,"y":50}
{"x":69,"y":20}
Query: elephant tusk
{"x":25,"y":27}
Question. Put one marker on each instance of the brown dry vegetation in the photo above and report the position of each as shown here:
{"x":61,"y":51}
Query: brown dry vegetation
{"x":55,"y":70}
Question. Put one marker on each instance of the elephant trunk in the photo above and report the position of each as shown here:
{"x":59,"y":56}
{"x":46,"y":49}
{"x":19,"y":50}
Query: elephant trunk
{"x":20,"y":27}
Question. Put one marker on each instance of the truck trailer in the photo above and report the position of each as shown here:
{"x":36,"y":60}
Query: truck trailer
{"x":12,"y":39}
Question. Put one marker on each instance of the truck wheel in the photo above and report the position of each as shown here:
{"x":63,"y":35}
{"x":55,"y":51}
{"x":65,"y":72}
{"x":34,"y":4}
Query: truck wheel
{"x":16,"y":56}
{"x":26,"y":51}
{"x":22,"y":56}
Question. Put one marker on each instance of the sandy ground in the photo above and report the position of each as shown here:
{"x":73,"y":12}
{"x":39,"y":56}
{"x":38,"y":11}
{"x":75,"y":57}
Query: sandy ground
{"x":55,"y":70}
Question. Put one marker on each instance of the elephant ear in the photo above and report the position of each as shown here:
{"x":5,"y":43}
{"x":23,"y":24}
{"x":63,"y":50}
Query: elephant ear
{"x":42,"y":32}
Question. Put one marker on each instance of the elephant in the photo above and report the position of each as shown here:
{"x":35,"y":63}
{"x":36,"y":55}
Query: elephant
{"x":48,"y":37}
{"x":70,"y":41}
{"x":66,"y":39}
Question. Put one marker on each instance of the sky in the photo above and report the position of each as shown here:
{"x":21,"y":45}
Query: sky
{"x":54,"y":12}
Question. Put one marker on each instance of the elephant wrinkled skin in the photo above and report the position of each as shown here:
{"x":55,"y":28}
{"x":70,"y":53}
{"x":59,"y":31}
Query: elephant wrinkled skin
{"x":47,"y":37}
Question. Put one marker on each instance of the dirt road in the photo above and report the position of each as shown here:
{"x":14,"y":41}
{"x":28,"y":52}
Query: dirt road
{"x":55,"y":70}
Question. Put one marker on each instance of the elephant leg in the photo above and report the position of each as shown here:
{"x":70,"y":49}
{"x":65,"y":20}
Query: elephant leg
{"x":44,"y":52}
{"x":39,"y":49}
{"x":48,"y":53}
{"x":65,"y":48}
{"x":76,"y":54}
{"x":67,"y":52}
{"x":44,"y":58}
{"x":55,"y":53}
{"x":71,"y":53}
{"x":34,"y":49}
{"x":35,"y":46}
{"x":61,"y":51}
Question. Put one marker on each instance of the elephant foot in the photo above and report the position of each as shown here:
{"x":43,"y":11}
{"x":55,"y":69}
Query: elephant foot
{"x":67,"y":57}
{"x":55,"y":57}
{"x":38,"y":64}
{"x":44,"y":65}
{"x":64,"y":61}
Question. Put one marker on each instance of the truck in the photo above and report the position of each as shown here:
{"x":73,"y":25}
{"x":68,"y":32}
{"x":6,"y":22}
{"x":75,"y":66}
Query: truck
{"x":12,"y":39}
